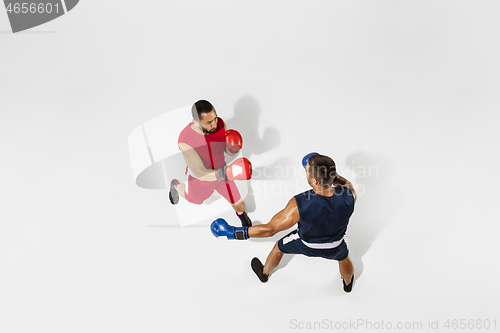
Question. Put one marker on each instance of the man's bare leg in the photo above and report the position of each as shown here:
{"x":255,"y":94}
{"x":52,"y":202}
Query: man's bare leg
{"x":239,"y":206}
{"x":180,"y":189}
{"x":346,"y":270}
{"x":273,"y":259}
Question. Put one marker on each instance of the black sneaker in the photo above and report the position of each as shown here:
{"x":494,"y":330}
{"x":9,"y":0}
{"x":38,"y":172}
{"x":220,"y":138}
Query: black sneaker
{"x":245,"y":220}
{"x":258,"y":269}
{"x":173,"y":195}
{"x":348,"y":288}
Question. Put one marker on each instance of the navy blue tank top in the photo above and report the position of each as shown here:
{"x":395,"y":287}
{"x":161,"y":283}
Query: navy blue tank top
{"x":324,"y":219}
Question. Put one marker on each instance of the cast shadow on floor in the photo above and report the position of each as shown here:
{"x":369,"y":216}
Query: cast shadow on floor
{"x":377,"y":204}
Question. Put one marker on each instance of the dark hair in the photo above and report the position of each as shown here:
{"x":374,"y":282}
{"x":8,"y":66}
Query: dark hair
{"x":323,"y":169}
{"x":200,"y":107}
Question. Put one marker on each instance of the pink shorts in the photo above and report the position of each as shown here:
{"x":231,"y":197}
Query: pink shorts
{"x":199,"y":191}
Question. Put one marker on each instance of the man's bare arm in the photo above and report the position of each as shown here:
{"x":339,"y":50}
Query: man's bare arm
{"x":195,"y":164}
{"x":344,"y":182}
{"x":283,"y":220}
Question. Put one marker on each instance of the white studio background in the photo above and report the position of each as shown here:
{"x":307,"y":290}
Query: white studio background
{"x":408,"y":87}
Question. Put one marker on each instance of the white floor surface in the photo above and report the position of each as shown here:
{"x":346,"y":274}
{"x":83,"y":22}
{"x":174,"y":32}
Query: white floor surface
{"x":409,"y":89}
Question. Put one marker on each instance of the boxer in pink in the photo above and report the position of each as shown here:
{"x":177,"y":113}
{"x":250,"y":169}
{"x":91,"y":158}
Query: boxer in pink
{"x":203,"y":143}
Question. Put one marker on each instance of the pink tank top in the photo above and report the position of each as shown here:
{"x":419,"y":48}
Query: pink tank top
{"x":209,"y":147}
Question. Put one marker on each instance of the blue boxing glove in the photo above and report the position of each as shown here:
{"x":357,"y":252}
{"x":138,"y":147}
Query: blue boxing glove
{"x":220,"y":228}
{"x":304,"y":160}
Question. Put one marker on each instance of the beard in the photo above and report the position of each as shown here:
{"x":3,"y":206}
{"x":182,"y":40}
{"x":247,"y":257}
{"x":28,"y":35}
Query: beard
{"x":208,"y":132}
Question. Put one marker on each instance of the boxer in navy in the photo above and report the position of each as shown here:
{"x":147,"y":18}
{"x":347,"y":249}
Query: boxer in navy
{"x":322,"y":215}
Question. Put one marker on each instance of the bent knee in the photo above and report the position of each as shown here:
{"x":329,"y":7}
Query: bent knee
{"x":345,"y":261}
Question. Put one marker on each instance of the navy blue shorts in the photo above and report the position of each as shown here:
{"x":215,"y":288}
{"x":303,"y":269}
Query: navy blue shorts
{"x":294,"y":245}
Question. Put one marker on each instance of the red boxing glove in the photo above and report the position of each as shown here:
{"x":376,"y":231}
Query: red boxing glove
{"x":234,"y":141}
{"x":240,"y":169}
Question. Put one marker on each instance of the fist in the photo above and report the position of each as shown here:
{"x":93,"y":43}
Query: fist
{"x":220,"y":228}
{"x":240,"y":169}
{"x":234,"y":141}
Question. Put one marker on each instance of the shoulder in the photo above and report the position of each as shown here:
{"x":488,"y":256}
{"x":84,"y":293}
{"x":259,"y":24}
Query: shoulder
{"x":219,"y":120}
{"x":339,"y":189}
{"x":185,"y":131}
{"x":186,"y":135}
{"x":291,"y":208}
{"x":292,"y":203}
{"x":304,"y":195}
{"x":345,"y":192}
{"x":221,"y":125}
